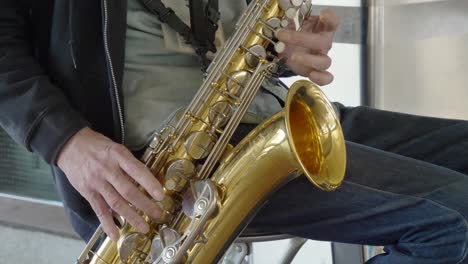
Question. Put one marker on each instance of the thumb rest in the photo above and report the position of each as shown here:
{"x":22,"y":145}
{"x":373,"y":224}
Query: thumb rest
{"x":213,"y":190}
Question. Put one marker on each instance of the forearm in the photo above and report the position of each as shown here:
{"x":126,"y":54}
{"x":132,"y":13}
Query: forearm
{"x":32,"y":110}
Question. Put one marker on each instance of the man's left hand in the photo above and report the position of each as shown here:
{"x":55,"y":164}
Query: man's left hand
{"x":307,"y":50}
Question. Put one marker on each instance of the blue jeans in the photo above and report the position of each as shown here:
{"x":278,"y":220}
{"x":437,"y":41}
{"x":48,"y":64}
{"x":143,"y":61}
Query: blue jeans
{"x":406,"y":188}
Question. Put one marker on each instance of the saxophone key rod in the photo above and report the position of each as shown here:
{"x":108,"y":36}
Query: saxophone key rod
{"x":183,"y":124}
{"x":232,"y":44}
{"x":255,"y":81}
{"x":84,"y":256}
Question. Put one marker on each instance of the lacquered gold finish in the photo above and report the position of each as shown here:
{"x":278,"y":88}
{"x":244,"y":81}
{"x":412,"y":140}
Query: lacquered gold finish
{"x":316,"y":135}
{"x":291,"y":143}
{"x":305,"y":138}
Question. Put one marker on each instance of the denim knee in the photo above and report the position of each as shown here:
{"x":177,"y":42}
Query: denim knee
{"x":442,"y":240}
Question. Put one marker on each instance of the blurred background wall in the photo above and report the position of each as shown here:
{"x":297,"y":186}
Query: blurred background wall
{"x":418,"y":57}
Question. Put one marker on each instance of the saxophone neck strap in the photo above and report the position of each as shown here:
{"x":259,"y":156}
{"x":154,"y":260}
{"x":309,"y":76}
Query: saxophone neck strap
{"x":204,"y":24}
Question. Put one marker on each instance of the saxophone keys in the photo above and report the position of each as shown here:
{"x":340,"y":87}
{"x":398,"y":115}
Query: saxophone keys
{"x":220,"y":113}
{"x":199,"y":144}
{"x":271,"y":25}
{"x":172,"y":184}
{"x":164,"y":218}
{"x":155,"y":141}
{"x":296,"y":3}
{"x":191,"y":117}
{"x":280,"y":47}
{"x":284,"y":4}
{"x":131,"y":244}
{"x":168,"y":206}
{"x":254,"y":55}
{"x":169,"y":254}
{"x":177,"y":174}
{"x":291,"y":13}
{"x":306,"y":8}
{"x":215,"y":85}
{"x":147,"y":155}
{"x":163,"y":245}
{"x":237,"y":82}
{"x":199,"y":199}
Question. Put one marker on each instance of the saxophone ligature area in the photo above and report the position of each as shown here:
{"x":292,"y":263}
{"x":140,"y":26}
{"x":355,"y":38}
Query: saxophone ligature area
{"x":212,"y":190}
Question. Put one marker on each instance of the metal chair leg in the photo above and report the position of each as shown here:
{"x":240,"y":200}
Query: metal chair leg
{"x":295,"y":244}
{"x":236,"y":254}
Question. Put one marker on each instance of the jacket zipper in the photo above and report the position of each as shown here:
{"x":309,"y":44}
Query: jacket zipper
{"x":111,"y":69}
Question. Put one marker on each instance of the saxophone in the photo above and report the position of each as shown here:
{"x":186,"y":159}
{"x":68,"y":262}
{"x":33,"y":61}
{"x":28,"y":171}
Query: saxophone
{"x":212,"y":188}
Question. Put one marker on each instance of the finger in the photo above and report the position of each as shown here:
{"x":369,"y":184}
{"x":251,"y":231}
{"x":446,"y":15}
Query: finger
{"x":310,"y":23}
{"x":104,"y":214}
{"x":327,"y":25}
{"x":138,"y":171}
{"x":321,"y":77}
{"x":317,"y":62}
{"x":121,"y":207}
{"x":300,"y":70}
{"x":312,"y":41}
{"x":130,"y":192}
{"x":328,"y":22}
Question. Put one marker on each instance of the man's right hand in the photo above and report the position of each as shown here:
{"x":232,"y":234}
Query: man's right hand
{"x":104,"y":172}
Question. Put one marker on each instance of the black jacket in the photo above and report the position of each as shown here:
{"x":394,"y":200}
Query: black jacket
{"x":61,"y":67}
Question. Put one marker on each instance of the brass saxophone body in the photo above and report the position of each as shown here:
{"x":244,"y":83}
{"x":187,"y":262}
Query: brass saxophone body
{"x":213,"y":190}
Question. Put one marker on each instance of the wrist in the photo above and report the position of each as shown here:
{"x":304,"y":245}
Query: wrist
{"x":66,"y":153}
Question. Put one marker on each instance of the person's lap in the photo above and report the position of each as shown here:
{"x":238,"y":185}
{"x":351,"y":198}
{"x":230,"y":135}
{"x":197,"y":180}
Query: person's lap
{"x":406,"y":187}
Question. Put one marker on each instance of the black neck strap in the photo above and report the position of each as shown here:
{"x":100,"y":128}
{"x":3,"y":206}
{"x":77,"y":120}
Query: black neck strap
{"x":203,"y":20}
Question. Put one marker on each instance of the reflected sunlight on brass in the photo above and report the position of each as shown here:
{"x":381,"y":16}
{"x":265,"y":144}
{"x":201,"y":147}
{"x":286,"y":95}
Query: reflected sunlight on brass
{"x":213,"y":190}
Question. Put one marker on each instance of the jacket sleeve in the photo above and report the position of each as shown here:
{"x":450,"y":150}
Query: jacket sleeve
{"x":32,"y":110}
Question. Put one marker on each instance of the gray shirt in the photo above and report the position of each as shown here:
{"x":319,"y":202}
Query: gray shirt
{"x":158,"y":81}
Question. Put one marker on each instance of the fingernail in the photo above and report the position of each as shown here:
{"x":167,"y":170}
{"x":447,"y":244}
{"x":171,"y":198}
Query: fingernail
{"x":294,"y":58}
{"x":155,"y":215}
{"x":158,"y":195}
{"x":283,"y":35}
{"x":114,"y":236}
{"x":143,"y":228}
{"x":277,"y":31}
